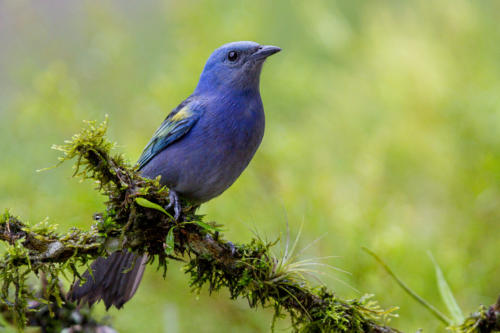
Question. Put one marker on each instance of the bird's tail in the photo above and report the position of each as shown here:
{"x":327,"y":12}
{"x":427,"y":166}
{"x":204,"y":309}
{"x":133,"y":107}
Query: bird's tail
{"x":114,"y":280}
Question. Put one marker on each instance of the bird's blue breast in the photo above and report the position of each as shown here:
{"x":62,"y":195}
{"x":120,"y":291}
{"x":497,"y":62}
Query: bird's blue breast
{"x":212,"y":155}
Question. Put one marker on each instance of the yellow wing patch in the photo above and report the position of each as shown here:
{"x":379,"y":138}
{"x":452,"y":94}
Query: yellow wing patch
{"x":182,"y":114}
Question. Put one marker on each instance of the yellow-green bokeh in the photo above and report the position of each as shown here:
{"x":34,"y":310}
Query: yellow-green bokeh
{"x":382,"y":130}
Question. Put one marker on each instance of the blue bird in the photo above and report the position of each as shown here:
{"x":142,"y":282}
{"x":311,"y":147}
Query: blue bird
{"x":199,"y":150}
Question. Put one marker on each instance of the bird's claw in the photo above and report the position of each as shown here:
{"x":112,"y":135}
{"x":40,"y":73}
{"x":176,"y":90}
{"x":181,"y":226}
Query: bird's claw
{"x":232,"y":248}
{"x":174,"y":201}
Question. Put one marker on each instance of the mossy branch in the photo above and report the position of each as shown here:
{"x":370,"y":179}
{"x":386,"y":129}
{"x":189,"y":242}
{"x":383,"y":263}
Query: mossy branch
{"x":135,"y":220}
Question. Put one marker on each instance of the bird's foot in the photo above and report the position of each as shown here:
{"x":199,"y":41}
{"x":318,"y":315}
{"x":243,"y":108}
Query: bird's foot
{"x":174,"y":201}
{"x":232,"y":248}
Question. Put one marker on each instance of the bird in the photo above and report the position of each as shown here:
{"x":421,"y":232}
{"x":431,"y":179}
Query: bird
{"x":199,"y":150}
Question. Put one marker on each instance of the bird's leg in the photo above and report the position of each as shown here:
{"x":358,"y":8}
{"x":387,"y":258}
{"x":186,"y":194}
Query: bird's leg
{"x":174,"y":201}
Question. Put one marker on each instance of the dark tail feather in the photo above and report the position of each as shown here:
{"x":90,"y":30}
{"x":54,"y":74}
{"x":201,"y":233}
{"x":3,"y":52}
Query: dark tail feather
{"x":108,"y":281}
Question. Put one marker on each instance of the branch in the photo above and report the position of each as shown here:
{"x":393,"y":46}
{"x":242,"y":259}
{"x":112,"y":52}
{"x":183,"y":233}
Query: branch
{"x":135,"y":219}
{"x":485,"y":320}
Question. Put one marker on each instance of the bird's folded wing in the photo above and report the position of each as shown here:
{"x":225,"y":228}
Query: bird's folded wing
{"x":175,"y":126}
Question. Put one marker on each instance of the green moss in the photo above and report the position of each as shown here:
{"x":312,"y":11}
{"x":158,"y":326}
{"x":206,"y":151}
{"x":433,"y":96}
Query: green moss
{"x":134,"y":219}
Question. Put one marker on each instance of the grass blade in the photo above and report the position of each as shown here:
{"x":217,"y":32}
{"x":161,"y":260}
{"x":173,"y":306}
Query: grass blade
{"x":207,"y":226}
{"x":170,"y":242}
{"x":446,"y":295}
{"x":438,"y":314}
{"x":148,"y":204}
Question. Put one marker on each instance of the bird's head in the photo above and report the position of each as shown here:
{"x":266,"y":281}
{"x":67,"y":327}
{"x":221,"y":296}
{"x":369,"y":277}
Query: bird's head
{"x":234,"y":66}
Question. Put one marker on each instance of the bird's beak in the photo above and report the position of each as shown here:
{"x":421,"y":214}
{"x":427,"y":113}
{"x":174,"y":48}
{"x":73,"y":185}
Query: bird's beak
{"x":265,"y":51}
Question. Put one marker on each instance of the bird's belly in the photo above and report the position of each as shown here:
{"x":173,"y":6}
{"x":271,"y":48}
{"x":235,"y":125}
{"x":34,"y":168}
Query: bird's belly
{"x":204,"y":178}
{"x":206,"y":162}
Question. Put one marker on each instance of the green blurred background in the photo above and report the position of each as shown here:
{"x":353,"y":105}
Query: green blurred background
{"x":383,"y":130}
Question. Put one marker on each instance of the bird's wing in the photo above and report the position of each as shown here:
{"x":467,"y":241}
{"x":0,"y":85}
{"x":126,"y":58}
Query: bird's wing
{"x":175,"y":126}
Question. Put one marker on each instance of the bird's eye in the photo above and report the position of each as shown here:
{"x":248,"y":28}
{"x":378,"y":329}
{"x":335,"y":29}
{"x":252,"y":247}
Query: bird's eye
{"x":232,"y":56}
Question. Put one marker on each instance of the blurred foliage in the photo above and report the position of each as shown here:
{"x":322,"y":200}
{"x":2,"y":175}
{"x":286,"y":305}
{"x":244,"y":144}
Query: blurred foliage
{"x":382,"y":131}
